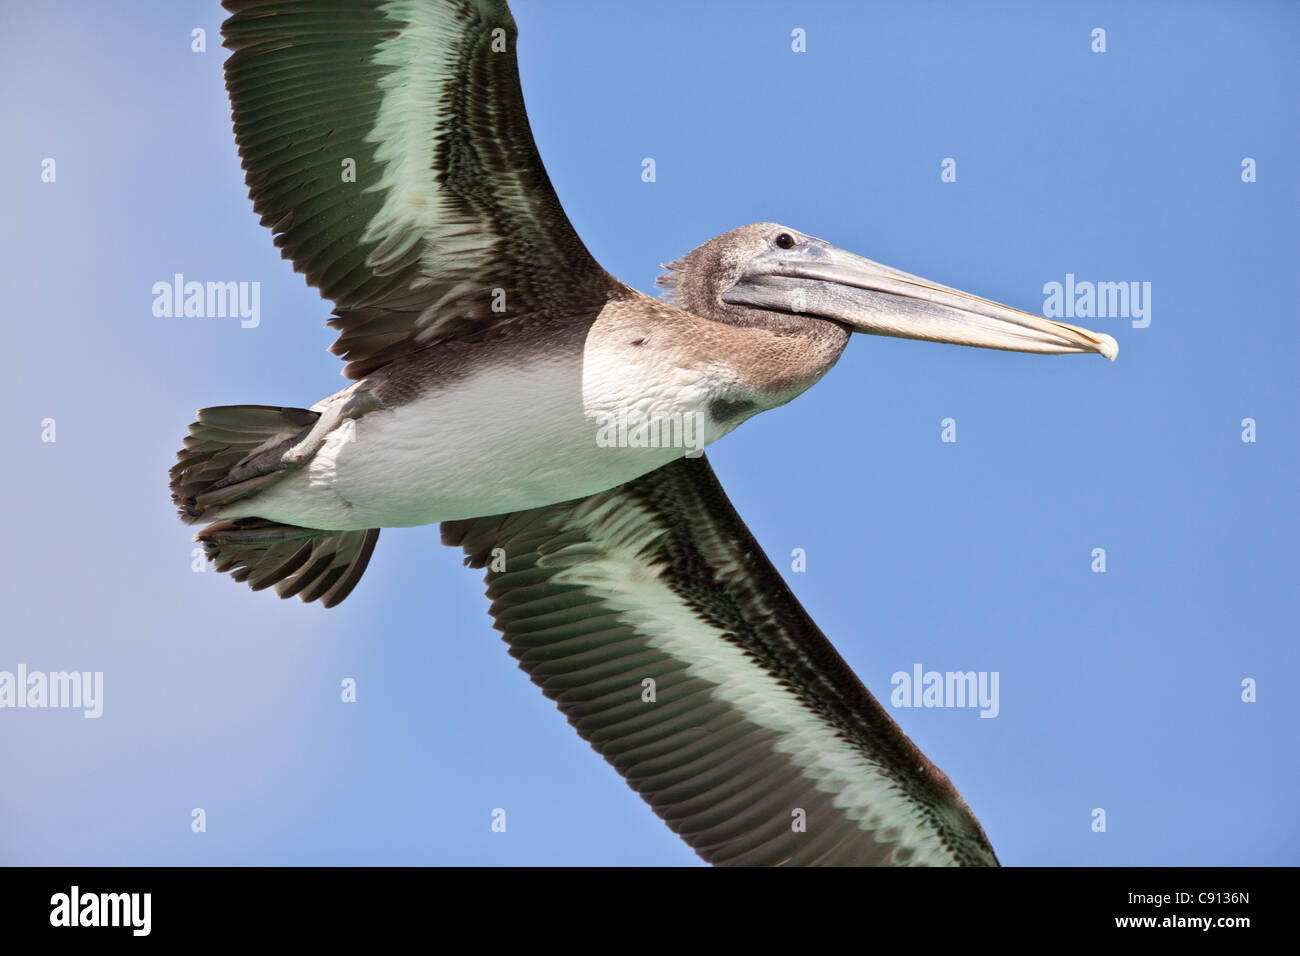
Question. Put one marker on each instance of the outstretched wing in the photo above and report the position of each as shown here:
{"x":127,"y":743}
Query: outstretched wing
{"x":650,"y":615}
{"x":386,"y":146}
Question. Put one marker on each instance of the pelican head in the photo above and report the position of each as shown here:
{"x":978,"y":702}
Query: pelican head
{"x":771,"y":275}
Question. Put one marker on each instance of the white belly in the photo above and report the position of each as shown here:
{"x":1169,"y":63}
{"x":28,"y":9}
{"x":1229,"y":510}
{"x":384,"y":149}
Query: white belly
{"x":506,"y":439}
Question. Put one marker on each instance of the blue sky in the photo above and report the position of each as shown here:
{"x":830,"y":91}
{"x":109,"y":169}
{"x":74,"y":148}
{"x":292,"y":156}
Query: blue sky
{"x":1119,"y":691}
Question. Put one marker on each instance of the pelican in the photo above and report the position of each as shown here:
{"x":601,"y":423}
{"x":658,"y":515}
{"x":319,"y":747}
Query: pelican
{"x":504,"y":385}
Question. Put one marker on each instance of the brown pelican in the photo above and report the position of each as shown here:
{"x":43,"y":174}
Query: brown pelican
{"x":490,"y":355}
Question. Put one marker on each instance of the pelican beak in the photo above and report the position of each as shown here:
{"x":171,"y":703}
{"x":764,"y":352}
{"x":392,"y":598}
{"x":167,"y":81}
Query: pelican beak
{"x":816,"y":278}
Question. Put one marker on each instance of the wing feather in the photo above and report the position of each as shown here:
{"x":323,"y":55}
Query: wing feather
{"x":386,"y":146}
{"x":754,"y":722}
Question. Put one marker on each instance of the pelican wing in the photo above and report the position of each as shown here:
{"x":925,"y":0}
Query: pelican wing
{"x":650,"y":615}
{"x":386,"y":146}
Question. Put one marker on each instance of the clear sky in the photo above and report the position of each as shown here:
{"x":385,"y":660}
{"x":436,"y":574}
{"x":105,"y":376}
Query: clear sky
{"x":1119,"y":690}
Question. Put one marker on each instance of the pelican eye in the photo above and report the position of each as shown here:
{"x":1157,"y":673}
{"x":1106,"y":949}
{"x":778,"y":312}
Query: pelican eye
{"x":785,"y":240}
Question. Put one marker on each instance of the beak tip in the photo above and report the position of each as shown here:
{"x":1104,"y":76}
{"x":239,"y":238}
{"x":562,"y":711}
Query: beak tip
{"x":1108,"y":347}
